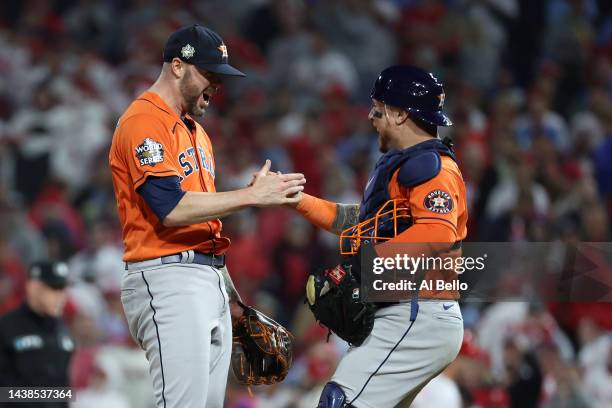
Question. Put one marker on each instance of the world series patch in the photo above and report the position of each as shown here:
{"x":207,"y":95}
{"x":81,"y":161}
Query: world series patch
{"x":439,"y":202}
{"x":150,"y":152}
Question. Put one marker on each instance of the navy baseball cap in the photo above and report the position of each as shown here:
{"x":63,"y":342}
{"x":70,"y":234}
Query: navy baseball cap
{"x":53,"y":274}
{"x":201,"y":47}
{"x":414,"y":90}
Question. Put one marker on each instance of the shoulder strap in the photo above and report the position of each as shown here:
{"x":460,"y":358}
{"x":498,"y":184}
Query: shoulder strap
{"x":419,"y":169}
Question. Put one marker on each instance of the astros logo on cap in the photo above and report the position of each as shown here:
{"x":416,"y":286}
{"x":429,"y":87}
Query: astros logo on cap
{"x":223,"y":50}
{"x":441,"y":98}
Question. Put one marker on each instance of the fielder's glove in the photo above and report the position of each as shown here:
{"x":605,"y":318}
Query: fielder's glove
{"x":262,"y":349}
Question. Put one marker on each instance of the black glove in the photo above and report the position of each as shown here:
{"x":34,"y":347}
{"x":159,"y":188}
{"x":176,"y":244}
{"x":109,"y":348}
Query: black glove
{"x":333,"y":296}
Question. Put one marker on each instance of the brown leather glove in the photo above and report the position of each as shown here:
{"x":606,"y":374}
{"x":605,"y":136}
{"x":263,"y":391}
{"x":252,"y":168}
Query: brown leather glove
{"x":262,"y":349}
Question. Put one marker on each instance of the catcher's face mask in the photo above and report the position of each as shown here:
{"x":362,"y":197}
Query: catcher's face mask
{"x":390,"y":220}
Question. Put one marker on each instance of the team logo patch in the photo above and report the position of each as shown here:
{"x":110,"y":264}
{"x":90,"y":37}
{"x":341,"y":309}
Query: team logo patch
{"x":150,"y":152}
{"x":223,"y":50}
{"x":187,"y":51}
{"x":438,"y":201}
{"x":441,"y":98}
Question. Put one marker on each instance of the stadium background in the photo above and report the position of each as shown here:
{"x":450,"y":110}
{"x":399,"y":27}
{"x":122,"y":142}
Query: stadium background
{"x":528,"y":85}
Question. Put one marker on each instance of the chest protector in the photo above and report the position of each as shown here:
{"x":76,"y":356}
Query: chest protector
{"x":417,"y":164}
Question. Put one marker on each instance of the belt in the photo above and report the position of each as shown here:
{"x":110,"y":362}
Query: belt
{"x":185,"y":257}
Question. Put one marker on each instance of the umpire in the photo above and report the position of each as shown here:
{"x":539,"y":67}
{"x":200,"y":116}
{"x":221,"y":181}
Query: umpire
{"x":35,"y":346}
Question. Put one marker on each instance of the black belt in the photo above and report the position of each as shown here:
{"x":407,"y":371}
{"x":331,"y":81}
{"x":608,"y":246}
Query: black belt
{"x":185,"y":257}
{"x":217,"y":261}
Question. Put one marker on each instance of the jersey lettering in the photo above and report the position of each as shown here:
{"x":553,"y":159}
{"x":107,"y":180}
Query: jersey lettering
{"x":188,"y":164}
{"x":206,"y":162}
{"x":191,"y":153}
{"x":185,"y":164}
{"x":28,"y":342}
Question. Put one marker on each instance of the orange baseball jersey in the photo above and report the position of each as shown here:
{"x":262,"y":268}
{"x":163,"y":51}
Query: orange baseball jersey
{"x":152,"y":140}
{"x":440,"y":200}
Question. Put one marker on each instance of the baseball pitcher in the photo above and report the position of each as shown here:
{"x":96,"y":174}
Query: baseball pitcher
{"x":176,"y":289}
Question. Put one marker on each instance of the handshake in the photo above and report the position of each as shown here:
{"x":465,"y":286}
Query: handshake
{"x":269,"y":189}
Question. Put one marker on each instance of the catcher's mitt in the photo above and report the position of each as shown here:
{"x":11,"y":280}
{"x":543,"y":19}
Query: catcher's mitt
{"x":333,"y":296}
{"x":262,"y":349}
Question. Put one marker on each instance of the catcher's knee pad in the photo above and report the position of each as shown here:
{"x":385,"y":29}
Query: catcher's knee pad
{"x":332,"y":397}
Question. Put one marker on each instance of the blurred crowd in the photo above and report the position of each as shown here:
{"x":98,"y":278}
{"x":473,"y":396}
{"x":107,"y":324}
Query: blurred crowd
{"x":529,"y":88}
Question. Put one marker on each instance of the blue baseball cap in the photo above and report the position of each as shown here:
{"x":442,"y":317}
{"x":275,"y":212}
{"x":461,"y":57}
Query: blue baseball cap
{"x":414,"y":90}
{"x":201,"y":47}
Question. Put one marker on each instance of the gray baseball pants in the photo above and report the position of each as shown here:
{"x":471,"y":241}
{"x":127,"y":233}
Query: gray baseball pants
{"x":392,"y":366}
{"x":179,"y":314}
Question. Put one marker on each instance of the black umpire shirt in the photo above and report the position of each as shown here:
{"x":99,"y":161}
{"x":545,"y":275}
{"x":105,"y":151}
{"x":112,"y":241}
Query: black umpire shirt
{"x":35,"y":351}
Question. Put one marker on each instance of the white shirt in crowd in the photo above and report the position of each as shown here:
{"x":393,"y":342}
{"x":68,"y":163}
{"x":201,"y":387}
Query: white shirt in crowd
{"x":439,"y":392}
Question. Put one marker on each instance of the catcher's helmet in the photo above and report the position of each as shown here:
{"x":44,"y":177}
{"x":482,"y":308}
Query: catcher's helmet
{"x":414,"y":90}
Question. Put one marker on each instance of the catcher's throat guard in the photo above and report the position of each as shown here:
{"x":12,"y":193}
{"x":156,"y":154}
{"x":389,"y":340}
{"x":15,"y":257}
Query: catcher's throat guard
{"x":390,"y":220}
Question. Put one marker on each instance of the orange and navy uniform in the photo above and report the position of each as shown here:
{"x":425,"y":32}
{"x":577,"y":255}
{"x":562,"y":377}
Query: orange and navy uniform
{"x":437,"y":209}
{"x":151,"y":140}
{"x":440,"y":201}
{"x":439,"y":214}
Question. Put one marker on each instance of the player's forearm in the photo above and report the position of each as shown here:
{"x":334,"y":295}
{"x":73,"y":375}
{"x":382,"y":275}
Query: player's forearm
{"x":333,"y":217}
{"x":347,"y":215}
{"x":198,"y":207}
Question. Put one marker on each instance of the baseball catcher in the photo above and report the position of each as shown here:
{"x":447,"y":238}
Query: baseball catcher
{"x":415,"y":195}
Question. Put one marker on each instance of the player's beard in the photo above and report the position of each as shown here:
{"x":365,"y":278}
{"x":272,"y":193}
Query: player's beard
{"x":383,"y":141}
{"x":191,"y":94}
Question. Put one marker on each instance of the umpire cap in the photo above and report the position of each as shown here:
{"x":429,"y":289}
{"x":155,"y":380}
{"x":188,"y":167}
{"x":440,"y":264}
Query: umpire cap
{"x":414,"y":90}
{"x":53,"y":274}
{"x":201,"y":47}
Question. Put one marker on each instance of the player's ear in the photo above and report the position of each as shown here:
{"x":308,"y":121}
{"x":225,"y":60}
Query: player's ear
{"x":400,"y":116}
{"x":177,"y":68}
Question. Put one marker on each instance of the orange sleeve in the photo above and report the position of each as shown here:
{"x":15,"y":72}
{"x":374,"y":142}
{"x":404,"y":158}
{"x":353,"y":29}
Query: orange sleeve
{"x":436,"y":201}
{"x":427,"y":233}
{"x":434,"y":209}
{"x":427,"y":239}
{"x":317,"y":211}
{"x":148,"y":149}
